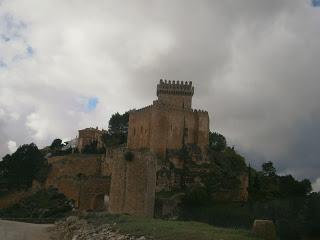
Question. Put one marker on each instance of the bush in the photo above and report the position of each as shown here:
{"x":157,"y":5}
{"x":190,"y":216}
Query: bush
{"x":198,"y":196}
{"x":92,"y":148}
{"x":43,"y":204}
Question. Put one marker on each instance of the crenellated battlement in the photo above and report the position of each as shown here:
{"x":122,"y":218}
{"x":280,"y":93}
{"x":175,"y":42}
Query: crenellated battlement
{"x":175,"y":87}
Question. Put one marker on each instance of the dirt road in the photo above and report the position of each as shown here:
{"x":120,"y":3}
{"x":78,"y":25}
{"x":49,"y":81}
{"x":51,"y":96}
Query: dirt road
{"x":23,"y":231}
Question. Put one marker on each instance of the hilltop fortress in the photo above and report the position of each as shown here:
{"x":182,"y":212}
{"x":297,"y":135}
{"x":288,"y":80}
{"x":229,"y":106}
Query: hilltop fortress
{"x":156,"y":135}
{"x":166,"y":153}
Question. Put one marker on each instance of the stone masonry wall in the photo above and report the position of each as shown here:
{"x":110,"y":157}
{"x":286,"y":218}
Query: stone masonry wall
{"x":133,"y":183}
{"x":160,"y":127}
{"x":80,"y":177}
{"x":87,"y":136}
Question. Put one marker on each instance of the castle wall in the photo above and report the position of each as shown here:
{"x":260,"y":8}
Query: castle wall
{"x":160,"y":127}
{"x":73,"y":164}
{"x":83,"y":191}
{"x":169,"y":122}
{"x":139,"y":129}
{"x":203,"y":129}
{"x":80,"y":178}
{"x":133,"y":183}
{"x":178,"y":101}
{"x":176,"y":93}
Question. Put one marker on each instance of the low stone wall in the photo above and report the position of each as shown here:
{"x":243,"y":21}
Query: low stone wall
{"x":73,"y":164}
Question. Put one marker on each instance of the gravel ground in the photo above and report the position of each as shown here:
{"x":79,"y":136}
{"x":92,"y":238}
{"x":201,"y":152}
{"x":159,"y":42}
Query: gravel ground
{"x":78,"y":229}
{"x":10,"y":230}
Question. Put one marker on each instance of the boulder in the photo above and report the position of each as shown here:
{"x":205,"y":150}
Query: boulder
{"x":264,"y":229}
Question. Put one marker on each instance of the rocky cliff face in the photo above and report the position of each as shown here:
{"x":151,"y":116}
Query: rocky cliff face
{"x":222,"y":174}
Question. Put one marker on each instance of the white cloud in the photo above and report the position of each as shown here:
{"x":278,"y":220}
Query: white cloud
{"x":316,"y":185}
{"x":15,"y":116}
{"x":39,"y":126}
{"x":2,"y":113}
{"x":12,"y":146}
{"x":254,"y":64}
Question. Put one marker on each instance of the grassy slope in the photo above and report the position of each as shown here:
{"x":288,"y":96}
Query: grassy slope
{"x":171,"y":230}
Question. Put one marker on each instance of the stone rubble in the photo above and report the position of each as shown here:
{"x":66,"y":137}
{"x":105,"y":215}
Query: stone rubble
{"x":74,"y":228}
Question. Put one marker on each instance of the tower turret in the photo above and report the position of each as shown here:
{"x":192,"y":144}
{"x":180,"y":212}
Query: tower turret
{"x":175,"y":93}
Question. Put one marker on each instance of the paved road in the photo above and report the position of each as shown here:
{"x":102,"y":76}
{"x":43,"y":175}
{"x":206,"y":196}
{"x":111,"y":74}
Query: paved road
{"x":23,"y":231}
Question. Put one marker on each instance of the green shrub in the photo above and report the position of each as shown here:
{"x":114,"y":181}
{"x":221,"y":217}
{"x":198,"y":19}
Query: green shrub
{"x":43,"y":204}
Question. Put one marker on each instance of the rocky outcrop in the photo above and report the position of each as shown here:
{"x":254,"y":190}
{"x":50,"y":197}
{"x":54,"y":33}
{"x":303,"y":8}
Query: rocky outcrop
{"x":264,"y":229}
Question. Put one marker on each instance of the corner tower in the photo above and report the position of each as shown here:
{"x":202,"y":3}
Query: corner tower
{"x":175,"y":93}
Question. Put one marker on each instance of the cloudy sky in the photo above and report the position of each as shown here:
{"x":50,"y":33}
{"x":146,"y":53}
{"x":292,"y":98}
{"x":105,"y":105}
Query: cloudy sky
{"x":255,"y":64}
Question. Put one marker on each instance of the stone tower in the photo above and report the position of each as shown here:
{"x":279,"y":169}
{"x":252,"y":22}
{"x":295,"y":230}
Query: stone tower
{"x":170,"y":122}
{"x":175,"y":93}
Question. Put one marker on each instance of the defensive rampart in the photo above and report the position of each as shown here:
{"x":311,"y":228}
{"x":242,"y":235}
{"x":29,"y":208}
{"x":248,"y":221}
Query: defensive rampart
{"x":80,"y":178}
{"x":133,"y":182}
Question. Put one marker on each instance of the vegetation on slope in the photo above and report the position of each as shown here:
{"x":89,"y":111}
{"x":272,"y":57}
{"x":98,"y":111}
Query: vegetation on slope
{"x":283,"y":199}
{"x":41,"y":205}
{"x":169,"y":230}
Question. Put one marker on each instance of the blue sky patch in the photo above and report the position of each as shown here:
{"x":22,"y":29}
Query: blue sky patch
{"x":30,"y":51}
{"x":12,"y":33}
{"x":13,"y":28}
{"x":4,"y":38}
{"x":92,"y":103}
{"x":316,"y":3}
{"x":2,"y":64}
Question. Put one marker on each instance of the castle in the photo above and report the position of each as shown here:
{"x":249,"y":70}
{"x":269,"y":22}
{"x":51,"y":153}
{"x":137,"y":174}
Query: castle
{"x":170,"y":122}
{"x":166,"y":152}
{"x":156,"y":135}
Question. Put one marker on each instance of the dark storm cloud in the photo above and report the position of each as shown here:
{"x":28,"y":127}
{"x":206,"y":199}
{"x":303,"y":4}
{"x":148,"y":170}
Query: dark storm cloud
{"x":265,"y":109}
{"x":254,"y":65}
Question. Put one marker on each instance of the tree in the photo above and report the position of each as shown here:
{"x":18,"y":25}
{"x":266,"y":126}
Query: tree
{"x":225,"y":170}
{"x":117,"y":130}
{"x":290,"y":187}
{"x":311,"y":216}
{"x":217,"y":141}
{"x":4,"y":166}
{"x":56,"y":144}
{"x":23,"y":166}
{"x":268,"y":169}
{"x":118,"y":124}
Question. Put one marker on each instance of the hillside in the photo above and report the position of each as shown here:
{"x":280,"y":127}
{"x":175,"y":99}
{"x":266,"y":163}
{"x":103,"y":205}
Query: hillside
{"x":129,"y":227}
